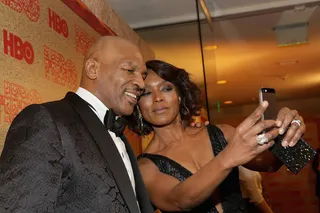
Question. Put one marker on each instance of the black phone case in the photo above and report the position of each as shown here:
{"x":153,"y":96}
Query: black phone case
{"x":295,"y":158}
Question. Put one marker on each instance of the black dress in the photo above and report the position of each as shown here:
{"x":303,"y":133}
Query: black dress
{"x":230,"y":193}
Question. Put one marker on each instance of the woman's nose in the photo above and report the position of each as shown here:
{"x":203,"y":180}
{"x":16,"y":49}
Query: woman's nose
{"x":158,"y":97}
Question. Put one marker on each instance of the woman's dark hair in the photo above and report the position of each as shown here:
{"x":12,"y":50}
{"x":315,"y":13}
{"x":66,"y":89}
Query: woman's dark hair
{"x":188,"y":91}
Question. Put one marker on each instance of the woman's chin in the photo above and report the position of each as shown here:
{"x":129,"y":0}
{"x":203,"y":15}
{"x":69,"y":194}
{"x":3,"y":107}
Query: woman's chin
{"x":164,"y":120}
{"x":161,"y":123}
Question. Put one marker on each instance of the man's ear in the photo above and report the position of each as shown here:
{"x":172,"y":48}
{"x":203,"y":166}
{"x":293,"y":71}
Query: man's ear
{"x":92,"y":68}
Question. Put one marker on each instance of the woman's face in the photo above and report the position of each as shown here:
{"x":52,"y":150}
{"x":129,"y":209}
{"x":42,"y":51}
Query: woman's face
{"x":159,"y":104}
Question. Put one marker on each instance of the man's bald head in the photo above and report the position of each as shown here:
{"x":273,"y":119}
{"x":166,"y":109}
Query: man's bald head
{"x":104,"y":47}
{"x":113,"y":71}
{"x":105,"y":44}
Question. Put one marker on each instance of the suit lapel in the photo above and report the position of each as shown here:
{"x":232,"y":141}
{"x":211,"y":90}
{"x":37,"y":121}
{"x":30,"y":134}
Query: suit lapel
{"x":108,"y":149}
{"x":142,"y":195}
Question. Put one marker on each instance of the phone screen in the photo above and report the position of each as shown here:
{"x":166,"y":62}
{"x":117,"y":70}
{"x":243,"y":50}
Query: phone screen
{"x":269,"y":94}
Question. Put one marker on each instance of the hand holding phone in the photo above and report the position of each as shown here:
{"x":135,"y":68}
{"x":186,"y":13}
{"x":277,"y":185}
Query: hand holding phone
{"x":296,"y":157}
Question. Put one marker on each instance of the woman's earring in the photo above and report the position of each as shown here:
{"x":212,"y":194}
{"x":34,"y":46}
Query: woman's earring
{"x":140,"y":118}
{"x":179,"y":100}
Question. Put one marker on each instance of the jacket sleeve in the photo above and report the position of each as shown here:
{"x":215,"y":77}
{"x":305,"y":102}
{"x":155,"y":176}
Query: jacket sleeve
{"x":30,"y":163}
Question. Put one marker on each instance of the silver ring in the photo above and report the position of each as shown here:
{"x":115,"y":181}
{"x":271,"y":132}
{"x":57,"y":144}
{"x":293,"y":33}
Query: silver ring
{"x":296,"y":121}
{"x":262,"y":139}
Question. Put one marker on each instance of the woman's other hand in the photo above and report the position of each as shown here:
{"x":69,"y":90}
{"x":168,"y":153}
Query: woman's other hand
{"x":292,"y":124}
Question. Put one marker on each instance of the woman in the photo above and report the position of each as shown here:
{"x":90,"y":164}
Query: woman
{"x":195,"y":169}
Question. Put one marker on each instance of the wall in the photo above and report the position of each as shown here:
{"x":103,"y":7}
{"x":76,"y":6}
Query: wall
{"x":306,"y":107}
{"x":105,"y":13}
{"x":42,"y":44}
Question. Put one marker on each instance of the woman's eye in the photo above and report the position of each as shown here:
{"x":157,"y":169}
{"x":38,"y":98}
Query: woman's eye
{"x":145,"y":93}
{"x":130,"y":70}
{"x":167,"y":88}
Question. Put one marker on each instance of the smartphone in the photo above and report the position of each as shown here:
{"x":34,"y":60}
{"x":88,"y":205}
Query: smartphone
{"x":268,"y":94}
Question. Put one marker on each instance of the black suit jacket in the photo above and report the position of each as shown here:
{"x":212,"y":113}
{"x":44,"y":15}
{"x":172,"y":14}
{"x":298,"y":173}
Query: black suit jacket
{"x":58,"y":157}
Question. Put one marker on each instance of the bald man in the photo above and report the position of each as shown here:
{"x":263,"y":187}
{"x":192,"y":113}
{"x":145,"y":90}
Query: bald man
{"x":70,"y":155}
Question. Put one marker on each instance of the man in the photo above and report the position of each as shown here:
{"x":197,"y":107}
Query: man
{"x":59,"y":156}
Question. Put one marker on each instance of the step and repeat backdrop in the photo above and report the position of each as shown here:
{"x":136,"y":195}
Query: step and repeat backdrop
{"x":42,"y":46}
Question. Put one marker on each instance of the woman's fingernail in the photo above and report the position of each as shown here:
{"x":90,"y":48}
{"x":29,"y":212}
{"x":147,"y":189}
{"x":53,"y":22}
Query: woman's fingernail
{"x":291,"y":144}
{"x":281,"y":131}
{"x":264,"y":103}
{"x":284,"y":143}
{"x":278,"y":123}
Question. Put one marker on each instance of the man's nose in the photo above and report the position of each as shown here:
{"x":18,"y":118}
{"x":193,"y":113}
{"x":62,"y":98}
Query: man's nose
{"x":139,"y":82}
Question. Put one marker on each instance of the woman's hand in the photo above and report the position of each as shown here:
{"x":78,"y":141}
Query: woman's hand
{"x":291,"y":120}
{"x":248,"y":141}
{"x":199,"y":124}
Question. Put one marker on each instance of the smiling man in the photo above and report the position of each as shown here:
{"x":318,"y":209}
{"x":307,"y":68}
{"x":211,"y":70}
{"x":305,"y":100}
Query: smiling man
{"x":70,"y":155}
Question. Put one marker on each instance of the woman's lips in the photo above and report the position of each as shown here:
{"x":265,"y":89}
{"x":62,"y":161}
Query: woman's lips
{"x":160,"y":109}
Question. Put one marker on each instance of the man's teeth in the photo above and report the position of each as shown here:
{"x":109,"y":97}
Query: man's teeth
{"x":131,"y":95}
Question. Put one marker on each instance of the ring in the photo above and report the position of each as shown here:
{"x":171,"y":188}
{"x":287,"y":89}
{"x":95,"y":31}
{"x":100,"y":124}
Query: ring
{"x":296,"y":121}
{"x":262,"y":139}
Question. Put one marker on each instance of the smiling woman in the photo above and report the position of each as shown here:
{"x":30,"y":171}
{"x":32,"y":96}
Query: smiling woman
{"x":170,"y":82}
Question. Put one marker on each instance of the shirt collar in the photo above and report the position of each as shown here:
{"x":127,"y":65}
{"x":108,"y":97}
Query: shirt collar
{"x":98,"y":107}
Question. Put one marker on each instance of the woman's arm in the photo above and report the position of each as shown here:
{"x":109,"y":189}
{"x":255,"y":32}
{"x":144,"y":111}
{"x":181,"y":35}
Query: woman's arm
{"x":169,"y":194}
{"x":264,"y":207}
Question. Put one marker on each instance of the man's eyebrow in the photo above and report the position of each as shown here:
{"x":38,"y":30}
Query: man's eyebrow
{"x":130,"y":63}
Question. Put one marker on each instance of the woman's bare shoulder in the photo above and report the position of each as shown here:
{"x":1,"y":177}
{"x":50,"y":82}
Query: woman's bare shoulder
{"x":227,"y":130}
